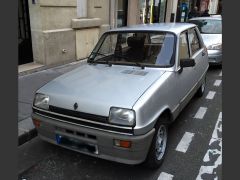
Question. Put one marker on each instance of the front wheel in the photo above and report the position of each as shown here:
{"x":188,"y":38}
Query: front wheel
{"x":158,"y":147}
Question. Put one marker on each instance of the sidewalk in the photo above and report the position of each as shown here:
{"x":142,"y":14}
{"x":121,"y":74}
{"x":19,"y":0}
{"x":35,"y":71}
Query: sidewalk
{"x":27,"y":85}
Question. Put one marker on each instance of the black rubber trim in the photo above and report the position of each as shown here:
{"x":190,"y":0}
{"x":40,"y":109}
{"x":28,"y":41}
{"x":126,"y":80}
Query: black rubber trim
{"x":78,"y":114}
{"x":79,"y":122}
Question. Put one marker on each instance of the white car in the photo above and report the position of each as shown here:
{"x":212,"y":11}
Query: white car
{"x":118,"y":106}
{"x":211,"y":31}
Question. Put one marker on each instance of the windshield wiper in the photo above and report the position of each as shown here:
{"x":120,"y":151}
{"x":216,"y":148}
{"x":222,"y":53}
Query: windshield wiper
{"x":98,"y":53}
{"x":140,"y":65}
{"x":91,"y":59}
{"x":95,"y":61}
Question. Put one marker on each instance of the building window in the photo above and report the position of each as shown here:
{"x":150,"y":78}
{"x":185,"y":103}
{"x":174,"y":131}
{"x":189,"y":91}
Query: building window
{"x":162,"y":14}
{"x":152,"y":11}
{"x":122,"y":11}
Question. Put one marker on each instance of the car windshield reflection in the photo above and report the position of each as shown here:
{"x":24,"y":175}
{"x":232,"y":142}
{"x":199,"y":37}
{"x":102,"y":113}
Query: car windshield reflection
{"x":135,"y":48}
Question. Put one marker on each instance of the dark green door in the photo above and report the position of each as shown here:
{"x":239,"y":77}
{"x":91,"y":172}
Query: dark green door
{"x":25,"y":54}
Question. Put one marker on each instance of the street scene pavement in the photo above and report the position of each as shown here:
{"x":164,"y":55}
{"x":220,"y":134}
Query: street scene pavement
{"x":194,"y":144}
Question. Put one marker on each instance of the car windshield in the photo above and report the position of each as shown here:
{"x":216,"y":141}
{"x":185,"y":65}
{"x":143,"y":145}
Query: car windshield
{"x":135,"y":48}
{"x":208,"y":26}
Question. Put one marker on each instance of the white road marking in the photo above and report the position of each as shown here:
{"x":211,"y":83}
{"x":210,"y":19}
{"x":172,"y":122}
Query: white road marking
{"x":210,"y":95}
{"x":217,"y":82}
{"x":165,"y":176}
{"x":213,"y":153}
{"x":185,"y":142}
{"x":220,"y":74}
{"x":200,"y":113}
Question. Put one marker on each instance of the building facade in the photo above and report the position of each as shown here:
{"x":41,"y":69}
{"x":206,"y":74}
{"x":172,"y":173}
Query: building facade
{"x":66,"y":30}
{"x":59,"y":31}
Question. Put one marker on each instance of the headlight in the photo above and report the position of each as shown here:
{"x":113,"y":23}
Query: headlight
{"x":215,"y":47}
{"x":41,"y":101}
{"x":122,"y":116}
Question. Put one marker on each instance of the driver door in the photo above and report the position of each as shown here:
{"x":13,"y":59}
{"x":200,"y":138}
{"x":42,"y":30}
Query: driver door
{"x":185,"y":76}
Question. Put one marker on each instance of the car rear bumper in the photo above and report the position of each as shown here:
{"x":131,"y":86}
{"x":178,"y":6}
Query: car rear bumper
{"x":102,"y":142}
{"x":215,"y":57}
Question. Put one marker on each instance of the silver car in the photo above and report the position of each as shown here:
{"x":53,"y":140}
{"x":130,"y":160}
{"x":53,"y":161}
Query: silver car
{"x":118,"y":105}
{"x":211,"y":31}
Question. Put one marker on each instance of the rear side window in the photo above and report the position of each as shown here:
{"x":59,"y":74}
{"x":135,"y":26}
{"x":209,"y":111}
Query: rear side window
{"x":183,"y":47}
{"x":194,"y":41}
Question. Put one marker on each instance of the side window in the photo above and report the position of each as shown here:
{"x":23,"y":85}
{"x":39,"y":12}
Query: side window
{"x":194,"y":41}
{"x":183,"y":51}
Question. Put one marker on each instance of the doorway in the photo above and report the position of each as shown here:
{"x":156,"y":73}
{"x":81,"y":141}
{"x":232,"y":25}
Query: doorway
{"x":25,"y":54}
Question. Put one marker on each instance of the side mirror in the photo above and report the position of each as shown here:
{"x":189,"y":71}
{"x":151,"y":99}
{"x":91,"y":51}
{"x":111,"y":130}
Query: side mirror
{"x":187,"y":63}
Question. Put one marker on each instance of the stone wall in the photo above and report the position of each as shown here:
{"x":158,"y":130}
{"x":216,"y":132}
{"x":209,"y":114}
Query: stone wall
{"x":56,"y":35}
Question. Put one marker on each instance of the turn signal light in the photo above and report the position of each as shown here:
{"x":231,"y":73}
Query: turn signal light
{"x":122,"y":143}
{"x":36,"y":123}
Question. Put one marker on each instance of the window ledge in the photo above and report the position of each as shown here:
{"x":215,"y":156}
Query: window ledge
{"x":86,"y":23}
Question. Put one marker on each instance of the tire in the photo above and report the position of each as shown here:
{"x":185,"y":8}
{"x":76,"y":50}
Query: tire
{"x":201,"y":89}
{"x":155,"y":158}
{"x":220,"y":66}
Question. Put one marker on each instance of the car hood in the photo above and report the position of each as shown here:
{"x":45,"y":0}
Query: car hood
{"x":210,"y":39}
{"x":96,"y":88}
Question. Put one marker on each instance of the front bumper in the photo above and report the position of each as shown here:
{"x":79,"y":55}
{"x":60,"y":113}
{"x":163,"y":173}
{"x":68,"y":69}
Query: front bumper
{"x":215,"y":56}
{"x":101,"y":140}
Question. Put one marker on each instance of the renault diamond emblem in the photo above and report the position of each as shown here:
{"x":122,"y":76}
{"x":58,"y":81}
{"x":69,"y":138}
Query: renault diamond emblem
{"x":75,"y":106}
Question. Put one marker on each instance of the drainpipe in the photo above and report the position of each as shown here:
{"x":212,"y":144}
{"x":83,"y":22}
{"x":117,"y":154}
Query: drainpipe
{"x":81,"y":8}
{"x":110,"y":13}
{"x":112,"y":4}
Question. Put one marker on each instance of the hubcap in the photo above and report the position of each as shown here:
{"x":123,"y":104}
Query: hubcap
{"x":161,"y":142}
{"x":203,"y":86}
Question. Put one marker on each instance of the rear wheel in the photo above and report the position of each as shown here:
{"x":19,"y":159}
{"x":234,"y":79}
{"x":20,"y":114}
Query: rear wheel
{"x":158,"y":147}
{"x":202,"y":88}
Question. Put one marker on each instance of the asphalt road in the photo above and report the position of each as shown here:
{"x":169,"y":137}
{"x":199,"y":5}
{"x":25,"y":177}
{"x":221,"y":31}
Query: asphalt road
{"x":194,"y":149}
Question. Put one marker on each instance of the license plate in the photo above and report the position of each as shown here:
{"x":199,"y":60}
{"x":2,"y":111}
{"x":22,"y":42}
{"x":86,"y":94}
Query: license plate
{"x":76,"y":144}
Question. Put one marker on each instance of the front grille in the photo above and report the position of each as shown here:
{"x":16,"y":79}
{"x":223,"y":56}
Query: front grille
{"x":78,"y":114}
{"x":82,"y":122}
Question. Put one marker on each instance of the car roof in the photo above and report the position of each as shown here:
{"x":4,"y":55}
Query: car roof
{"x":175,"y":28}
{"x":200,"y":18}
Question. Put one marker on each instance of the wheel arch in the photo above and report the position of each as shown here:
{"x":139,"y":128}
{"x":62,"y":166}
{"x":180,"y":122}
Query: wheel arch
{"x":165,"y":117}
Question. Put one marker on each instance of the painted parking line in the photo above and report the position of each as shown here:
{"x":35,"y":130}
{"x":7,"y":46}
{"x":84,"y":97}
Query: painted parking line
{"x":210,"y":95}
{"x":165,"y":176}
{"x":220,"y":74}
{"x":217,"y":82}
{"x":185,"y":142}
{"x":213,"y":158}
{"x":200,"y":113}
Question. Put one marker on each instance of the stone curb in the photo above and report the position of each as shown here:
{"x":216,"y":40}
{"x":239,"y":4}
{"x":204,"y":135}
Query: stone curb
{"x":26,"y":131}
{"x":27,"y":136}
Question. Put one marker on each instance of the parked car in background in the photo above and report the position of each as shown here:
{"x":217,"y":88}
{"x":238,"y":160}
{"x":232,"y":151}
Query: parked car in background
{"x":216,"y":15}
{"x":119,"y":105}
{"x":211,"y":31}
